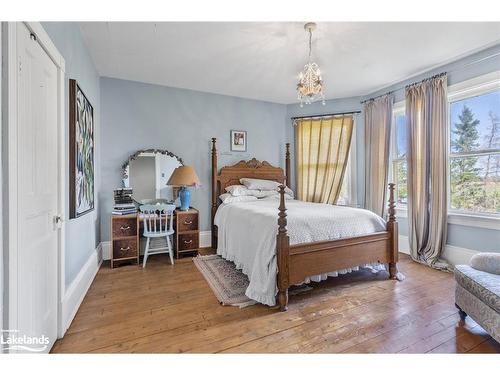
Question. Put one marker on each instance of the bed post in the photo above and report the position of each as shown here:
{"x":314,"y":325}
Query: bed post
{"x":214,"y":192}
{"x":392,"y":228}
{"x":282,"y":251}
{"x":287,"y":164}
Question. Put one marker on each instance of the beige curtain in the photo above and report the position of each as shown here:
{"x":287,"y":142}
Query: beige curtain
{"x":426,"y":116}
{"x":322,"y":150}
{"x":378,"y":120}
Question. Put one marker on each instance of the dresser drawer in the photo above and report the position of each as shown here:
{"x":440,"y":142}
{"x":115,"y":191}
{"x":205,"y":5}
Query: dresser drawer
{"x":187,"y":222}
{"x":125,"y":248}
{"x":124,"y":227}
{"x":188,"y":241}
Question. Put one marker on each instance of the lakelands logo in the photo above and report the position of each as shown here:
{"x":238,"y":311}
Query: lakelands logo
{"x":12,"y":341}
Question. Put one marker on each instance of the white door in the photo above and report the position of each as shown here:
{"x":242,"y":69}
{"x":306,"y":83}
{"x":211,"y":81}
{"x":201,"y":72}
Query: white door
{"x":37,"y":190}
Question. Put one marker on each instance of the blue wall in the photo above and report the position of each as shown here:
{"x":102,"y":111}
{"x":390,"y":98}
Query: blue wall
{"x":466,"y":68}
{"x":82,"y":234}
{"x":140,"y":116}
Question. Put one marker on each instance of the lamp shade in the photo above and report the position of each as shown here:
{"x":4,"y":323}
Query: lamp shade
{"x":184,"y":176}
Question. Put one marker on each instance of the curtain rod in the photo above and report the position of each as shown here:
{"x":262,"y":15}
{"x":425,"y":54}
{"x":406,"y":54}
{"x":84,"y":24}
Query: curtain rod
{"x":378,"y":96}
{"x":327,"y":115}
{"x":405,"y":87}
{"x":434,"y":76}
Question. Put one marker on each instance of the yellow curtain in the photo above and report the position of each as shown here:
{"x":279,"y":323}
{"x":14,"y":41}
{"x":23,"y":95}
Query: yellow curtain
{"x":322,"y":150}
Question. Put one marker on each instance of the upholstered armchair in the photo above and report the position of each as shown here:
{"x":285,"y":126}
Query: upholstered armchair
{"x":477,"y":292}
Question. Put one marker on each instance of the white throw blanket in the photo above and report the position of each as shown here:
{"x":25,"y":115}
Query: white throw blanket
{"x":247,"y":236}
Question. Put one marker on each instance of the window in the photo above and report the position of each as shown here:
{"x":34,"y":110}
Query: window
{"x":398,"y":170}
{"x":474,"y":152}
{"x":474,"y":173}
{"x":347,"y":195}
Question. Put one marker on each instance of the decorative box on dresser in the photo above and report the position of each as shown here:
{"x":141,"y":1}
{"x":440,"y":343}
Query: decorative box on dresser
{"x":187,"y":231}
{"x":124,"y":239}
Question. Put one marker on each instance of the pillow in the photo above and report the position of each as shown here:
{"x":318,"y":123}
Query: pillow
{"x":228,"y":198}
{"x":255,"y":183}
{"x":277,"y":197}
{"x":237,"y":190}
{"x":265,"y":193}
{"x":486,"y":262}
{"x":287,"y":191}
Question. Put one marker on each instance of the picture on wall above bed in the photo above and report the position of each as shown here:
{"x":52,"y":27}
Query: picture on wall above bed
{"x":81,"y":152}
{"x":238,"y":140}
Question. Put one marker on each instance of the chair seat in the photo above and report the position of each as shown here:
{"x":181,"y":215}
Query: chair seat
{"x":484,"y":285}
{"x":158,"y":234}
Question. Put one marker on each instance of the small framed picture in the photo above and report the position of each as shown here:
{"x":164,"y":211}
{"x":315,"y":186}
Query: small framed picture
{"x":238,"y":140}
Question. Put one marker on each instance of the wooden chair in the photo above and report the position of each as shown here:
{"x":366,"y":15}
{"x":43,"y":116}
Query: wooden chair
{"x":158,"y":223}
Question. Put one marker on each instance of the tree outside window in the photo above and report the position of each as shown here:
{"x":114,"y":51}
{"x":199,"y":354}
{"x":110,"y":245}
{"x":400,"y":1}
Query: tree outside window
{"x":398,"y":156}
{"x":475,"y":154}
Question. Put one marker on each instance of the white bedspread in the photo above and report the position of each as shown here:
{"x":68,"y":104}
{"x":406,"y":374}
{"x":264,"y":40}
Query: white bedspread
{"x":247,"y":236}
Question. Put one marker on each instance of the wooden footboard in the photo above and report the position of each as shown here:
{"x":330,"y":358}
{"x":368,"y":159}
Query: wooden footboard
{"x":297,"y":262}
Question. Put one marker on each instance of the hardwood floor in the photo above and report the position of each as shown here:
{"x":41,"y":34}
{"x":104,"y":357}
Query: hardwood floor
{"x":171,"y":309}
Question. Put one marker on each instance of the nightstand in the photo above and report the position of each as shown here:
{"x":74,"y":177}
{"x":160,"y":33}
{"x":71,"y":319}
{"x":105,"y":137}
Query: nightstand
{"x":187,"y":231}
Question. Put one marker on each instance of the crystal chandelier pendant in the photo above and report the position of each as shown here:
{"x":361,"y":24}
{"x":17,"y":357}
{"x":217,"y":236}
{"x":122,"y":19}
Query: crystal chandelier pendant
{"x":310,"y":86}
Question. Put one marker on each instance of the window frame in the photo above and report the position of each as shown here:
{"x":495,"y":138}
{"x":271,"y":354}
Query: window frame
{"x":477,"y":86}
{"x":350,"y":175}
{"x":472,"y":87}
{"x":397,"y":109}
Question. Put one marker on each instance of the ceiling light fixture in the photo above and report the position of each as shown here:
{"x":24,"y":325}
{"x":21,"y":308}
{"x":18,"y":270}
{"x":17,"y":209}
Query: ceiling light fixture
{"x":310,"y":86}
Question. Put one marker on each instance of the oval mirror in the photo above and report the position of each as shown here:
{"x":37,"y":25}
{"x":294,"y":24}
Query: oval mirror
{"x":147,"y":173}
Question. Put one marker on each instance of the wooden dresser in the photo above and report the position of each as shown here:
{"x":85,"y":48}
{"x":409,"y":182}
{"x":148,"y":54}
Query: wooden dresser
{"x":187,"y":232}
{"x":124,"y":239}
{"x":126,"y":230}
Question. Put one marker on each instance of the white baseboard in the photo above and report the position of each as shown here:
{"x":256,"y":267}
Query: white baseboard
{"x":205,"y":241}
{"x":75,"y":293}
{"x":206,"y":238}
{"x":106,"y":250}
{"x":452,"y":254}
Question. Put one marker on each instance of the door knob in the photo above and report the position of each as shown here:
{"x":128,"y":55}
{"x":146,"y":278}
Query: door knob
{"x":58,"y":221}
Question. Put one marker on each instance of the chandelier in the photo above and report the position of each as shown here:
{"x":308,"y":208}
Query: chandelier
{"x":310,"y":86}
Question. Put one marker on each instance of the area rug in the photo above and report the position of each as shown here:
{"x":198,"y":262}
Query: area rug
{"x":227,"y":282}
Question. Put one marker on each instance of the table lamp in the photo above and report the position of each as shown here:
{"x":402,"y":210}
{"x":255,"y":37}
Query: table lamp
{"x":184,"y":176}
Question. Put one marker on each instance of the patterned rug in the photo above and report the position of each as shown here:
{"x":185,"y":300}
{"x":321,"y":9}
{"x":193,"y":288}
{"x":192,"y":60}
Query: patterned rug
{"x":228,"y":283}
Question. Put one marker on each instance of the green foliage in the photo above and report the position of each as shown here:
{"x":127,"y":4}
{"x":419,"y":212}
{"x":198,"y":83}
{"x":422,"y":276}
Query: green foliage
{"x":401,"y":173}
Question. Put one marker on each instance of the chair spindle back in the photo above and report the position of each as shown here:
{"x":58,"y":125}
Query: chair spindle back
{"x":158,"y":218}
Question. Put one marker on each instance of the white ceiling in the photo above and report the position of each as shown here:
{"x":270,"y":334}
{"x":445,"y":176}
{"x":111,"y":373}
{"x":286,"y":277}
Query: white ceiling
{"x":261,"y":60}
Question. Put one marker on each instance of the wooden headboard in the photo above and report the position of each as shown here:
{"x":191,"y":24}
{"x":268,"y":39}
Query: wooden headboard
{"x":250,"y":169}
{"x":231,"y":175}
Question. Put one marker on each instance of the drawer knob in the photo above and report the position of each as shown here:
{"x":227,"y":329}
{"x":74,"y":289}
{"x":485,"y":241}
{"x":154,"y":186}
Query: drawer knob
{"x":125,"y":249}
{"x":186,"y":242}
{"x":188,"y":222}
{"x":125,"y":228}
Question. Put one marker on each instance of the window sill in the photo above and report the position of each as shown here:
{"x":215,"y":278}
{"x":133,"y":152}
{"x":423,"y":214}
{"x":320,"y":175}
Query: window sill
{"x":470,"y":220}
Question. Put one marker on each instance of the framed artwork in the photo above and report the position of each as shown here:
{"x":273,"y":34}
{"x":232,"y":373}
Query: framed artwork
{"x":238,"y":140}
{"x":81,"y":152}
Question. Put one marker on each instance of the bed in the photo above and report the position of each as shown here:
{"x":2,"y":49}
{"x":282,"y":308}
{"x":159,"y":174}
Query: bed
{"x":322,"y":238}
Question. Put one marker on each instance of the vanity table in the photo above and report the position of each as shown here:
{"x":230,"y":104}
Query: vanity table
{"x":147,"y":172}
{"x":126,"y":231}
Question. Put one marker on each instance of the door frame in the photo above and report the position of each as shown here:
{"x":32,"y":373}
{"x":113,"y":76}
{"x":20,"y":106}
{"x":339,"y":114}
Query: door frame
{"x":10,"y":144}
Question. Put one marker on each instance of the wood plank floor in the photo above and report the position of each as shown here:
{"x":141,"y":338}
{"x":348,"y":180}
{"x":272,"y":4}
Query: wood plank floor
{"x":171,"y":309}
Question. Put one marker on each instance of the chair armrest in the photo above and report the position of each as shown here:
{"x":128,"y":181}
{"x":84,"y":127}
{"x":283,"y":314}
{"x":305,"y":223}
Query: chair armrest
{"x":486,"y":262}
